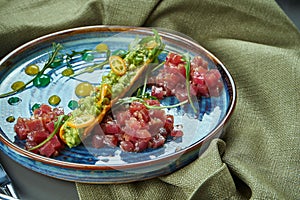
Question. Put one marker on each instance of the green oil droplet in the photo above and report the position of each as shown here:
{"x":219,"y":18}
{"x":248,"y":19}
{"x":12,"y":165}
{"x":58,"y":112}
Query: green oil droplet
{"x":32,"y":70}
{"x":41,"y":80}
{"x":10,"y":119}
{"x":57,"y":62}
{"x":17,"y":85}
{"x":14,"y":101}
{"x":68,"y":72}
{"x":88,"y":57}
{"x":120,"y":52}
{"x":35,"y":106}
{"x":54,"y":100}
{"x":73,"y":104}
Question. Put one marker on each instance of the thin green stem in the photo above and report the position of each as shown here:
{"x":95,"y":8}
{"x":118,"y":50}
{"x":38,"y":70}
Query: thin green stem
{"x":145,"y":84}
{"x":92,"y":68}
{"x":16,"y":91}
{"x":57,"y":48}
{"x":169,"y":106}
{"x":58,"y":124}
{"x":187,"y":82}
{"x":158,"y":66}
{"x":131,"y":99}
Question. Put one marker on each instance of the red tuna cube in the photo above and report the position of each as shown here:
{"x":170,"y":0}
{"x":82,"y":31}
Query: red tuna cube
{"x":34,"y":124}
{"x":21,"y":129}
{"x":37,"y":136}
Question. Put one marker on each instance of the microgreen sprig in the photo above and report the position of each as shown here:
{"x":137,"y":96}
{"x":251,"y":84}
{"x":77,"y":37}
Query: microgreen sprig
{"x":187,"y":66}
{"x":92,"y":68}
{"x":70,"y":56}
{"x":158,"y":66}
{"x":52,"y":58}
{"x":128,"y":100}
{"x":60,"y":121}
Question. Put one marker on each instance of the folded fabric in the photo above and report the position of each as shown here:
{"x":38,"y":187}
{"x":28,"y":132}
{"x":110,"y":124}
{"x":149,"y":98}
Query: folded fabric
{"x":195,"y":181}
{"x":258,"y":157}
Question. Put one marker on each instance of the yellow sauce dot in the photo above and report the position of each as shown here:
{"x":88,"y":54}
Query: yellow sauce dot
{"x":101,"y":47}
{"x":32,"y":70}
{"x":54,"y":100}
{"x":68,"y":72}
{"x":83,"y":89}
{"x":17,"y":85}
{"x":10,"y":119}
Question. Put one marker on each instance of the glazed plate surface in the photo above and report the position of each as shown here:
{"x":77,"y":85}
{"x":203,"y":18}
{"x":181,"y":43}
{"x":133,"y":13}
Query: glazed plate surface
{"x":108,"y":165}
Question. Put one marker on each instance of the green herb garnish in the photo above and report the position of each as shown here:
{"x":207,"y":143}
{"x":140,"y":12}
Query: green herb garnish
{"x":127,"y":100}
{"x":49,"y":64}
{"x":158,"y":66}
{"x":187,"y":80}
{"x":91,"y":69}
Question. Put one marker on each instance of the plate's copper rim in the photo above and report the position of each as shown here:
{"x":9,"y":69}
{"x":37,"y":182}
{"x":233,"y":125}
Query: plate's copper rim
{"x":146,"y":30}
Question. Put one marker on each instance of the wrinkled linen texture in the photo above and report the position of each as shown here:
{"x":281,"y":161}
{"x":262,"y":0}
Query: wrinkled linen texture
{"x":258,"y":157}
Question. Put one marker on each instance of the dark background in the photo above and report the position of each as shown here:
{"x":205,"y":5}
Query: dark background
{"x":292,"y":9}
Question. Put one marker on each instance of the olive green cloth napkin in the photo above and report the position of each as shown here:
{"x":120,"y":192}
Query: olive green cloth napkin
{"x":258,"y":157}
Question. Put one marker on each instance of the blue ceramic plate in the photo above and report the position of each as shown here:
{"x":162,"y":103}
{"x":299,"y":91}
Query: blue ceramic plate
{"x":108,"y":165}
